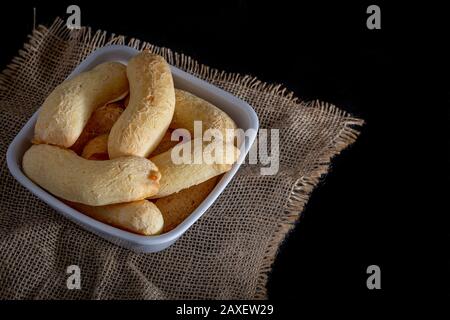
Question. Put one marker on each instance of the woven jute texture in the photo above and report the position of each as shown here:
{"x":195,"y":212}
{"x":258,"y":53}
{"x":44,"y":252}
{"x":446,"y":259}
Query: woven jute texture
{"x":227,"y":254}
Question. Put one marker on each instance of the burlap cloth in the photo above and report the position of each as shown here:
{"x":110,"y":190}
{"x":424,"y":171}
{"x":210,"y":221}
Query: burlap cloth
{"x":227,"y":254}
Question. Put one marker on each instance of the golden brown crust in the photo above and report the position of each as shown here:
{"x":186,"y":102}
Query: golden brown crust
{"x":100,"y":122}
{"x":141,"y":217}
{"x":190,"y":108}
{"x":97,"y":148}
{"x":178,"y":206}
{"x":176,"y":177}
{"x":66,"y":175}
{"x":142,"y":125}
{"x":67,"y":109}
{"x":165,"y":144}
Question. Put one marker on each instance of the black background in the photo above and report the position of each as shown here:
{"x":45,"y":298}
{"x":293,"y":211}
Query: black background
{"x":367,"y":209}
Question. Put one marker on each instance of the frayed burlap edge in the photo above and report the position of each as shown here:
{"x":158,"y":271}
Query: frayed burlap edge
{"x":303,"y":186}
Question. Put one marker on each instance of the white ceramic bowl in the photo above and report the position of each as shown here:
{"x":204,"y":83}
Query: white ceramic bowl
{"x":242,"y":113}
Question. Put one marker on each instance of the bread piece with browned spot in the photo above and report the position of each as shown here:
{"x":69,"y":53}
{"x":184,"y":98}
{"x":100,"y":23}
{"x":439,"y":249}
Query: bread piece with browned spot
{"x":66,"y":175}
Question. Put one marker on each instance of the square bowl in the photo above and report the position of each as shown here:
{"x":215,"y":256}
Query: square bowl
{"x":242,"y":113}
